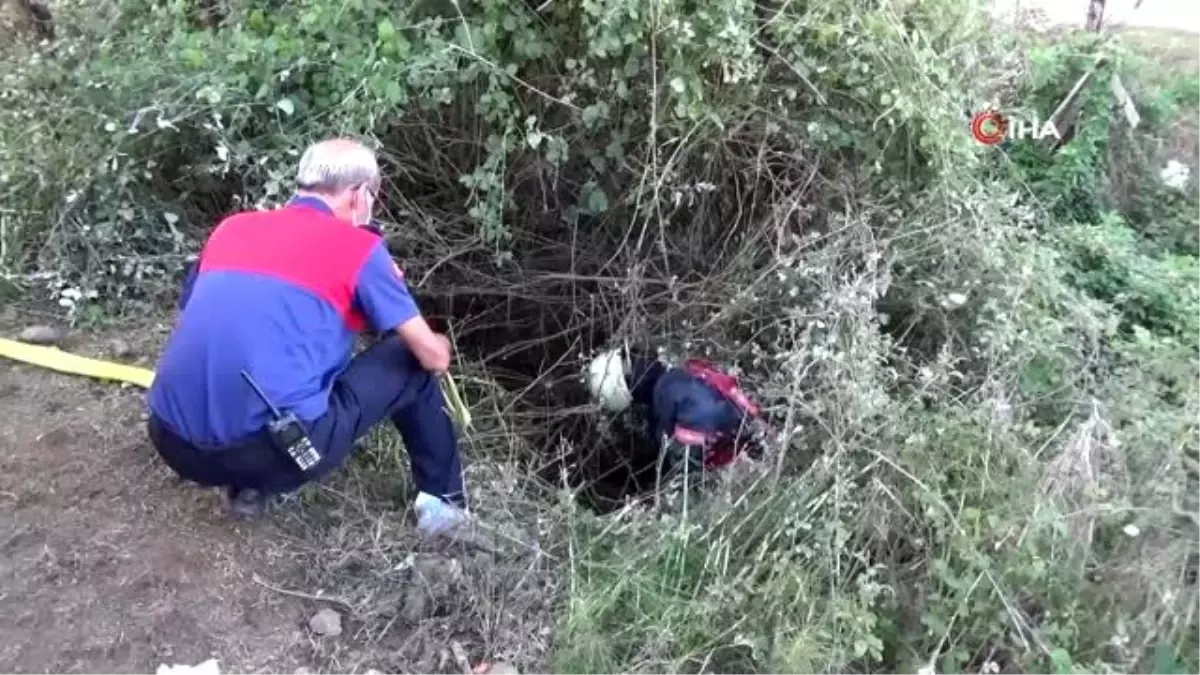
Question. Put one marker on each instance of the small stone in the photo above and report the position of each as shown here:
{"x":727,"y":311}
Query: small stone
{"x":119,"y":348}
{"x":41,"y":335}
{"x":326,"y":622}
{"x":430,"y":581}
{"x":436,"y":571}
{"x":416,"y":603}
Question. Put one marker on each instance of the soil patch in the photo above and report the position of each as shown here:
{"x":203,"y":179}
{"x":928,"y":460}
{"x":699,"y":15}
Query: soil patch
{"x":107,"y":562}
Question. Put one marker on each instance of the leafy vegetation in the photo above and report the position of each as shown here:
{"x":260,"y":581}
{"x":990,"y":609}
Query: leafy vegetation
{"x":985,"y":361}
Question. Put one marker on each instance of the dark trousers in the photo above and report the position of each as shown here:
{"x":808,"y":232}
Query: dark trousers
{"x":383,"y":382}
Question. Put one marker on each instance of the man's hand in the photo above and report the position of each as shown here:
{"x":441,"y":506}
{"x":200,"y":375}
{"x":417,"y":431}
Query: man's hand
{"x":756,"y":438}
{"x":431,"y":349}
{"x":445,"y":342}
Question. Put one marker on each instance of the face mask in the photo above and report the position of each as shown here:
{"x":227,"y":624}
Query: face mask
{"x":365,"y":198}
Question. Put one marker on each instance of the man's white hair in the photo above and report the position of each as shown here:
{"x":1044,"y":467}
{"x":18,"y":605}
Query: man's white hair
{"x":336,"y":165}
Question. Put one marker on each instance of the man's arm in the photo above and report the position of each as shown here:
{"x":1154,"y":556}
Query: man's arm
{"x":383,"y":296}
{"x":430,"y":348}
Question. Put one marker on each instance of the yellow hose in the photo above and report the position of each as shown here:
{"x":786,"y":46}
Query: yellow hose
{"x":65,"y":362}
{"x":73,"y":364}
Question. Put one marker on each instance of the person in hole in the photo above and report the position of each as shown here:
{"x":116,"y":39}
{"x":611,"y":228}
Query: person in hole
{"x":696,"y":415}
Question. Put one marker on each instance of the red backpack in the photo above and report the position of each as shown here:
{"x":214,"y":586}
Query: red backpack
{"x":722,"y":450}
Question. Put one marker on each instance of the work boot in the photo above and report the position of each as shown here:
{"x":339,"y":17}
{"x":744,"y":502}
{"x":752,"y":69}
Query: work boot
{"x":246,"y":503}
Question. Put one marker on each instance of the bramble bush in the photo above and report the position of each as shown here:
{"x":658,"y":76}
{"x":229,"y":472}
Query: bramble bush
{"x":984,"y":362}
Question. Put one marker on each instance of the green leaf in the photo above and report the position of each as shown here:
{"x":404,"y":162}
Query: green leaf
{"x":210,"y":94}
{"x":1166,"y":663}
{"x":393,"y":92}
{"x":678,"y":85}
{"x":193,"y":57}
{"x":257,"y":20}
{"x":597,"y":201}
{"x":595,"y":113}
{"x":1061,"y":659}
{"x":385,"y":30}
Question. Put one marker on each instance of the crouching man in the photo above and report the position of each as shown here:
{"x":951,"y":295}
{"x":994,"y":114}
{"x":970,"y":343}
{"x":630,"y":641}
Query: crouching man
{"x":696,"y":415}
{"x":257,"y":391}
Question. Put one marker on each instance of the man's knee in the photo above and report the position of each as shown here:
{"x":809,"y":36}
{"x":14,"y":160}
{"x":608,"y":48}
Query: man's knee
{"x":423,"y":397}
{"x":387,"y":378}
{"x":427,"y":387}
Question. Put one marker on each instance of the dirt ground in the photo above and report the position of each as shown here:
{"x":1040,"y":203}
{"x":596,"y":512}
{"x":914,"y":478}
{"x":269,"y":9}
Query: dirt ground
{"x":108,"y":563}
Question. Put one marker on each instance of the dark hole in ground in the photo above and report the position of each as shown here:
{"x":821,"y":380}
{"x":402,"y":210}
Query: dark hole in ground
{"x":606,"y":463}
{"x":535,"y":348}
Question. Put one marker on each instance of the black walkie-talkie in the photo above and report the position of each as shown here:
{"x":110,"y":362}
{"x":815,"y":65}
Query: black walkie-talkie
{"x":287,"y":433}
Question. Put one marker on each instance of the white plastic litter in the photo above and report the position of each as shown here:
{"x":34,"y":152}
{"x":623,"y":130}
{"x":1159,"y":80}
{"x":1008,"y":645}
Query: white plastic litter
{"x":209,"y":667}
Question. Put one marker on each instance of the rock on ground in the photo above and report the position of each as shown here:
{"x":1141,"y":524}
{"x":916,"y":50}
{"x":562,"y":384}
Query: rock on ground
{"x":326,"y":622}
{"x":41,"y":335}
{"x":119,"y":348}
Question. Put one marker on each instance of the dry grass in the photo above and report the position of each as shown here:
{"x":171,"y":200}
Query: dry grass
{"x":411,"y":603}
{"x":1088,"y":468}
{"x":17,"y":24}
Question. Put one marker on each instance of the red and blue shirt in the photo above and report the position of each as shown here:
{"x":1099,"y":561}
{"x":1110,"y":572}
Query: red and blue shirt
{"x":282,"y":295}
{"x":697,"y":405}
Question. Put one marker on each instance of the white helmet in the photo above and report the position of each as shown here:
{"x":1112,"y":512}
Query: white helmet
{"x":606,"y":381}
